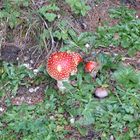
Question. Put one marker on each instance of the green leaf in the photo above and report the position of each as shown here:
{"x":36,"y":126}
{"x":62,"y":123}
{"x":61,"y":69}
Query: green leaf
{"x":83,"y":131}
{"x":127,"y":76}
{"x":50,"y":16}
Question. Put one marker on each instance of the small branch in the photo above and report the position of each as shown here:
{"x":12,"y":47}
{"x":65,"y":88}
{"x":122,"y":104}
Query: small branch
{"x":52,"y":39}
{"x":118,"y":99}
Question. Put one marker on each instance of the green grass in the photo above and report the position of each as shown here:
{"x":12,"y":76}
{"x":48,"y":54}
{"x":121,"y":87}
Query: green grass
{"x":117,"y":115}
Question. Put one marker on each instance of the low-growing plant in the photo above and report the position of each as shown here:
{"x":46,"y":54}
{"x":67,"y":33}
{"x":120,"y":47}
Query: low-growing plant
{"x":125,"y":33}
{"x":77,"y":109}
{"x":10,"y":13}
{"x":76,"y":41}
{"x":111,"y":116}
{"x":13,"y":77}
{"x":116,"y":115}
{"x":122,"y":13}
{"x":127,"y":76}
{"x":79,"y":7}
{"x":48,"y":12}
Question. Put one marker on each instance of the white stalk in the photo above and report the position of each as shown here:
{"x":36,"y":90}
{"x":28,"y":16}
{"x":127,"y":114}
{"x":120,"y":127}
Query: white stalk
{"x":60,"y":84}
{"x":74,"y":72}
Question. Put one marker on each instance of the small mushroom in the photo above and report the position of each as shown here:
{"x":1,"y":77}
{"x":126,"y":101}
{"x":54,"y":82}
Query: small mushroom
{"x":101,"y":92}
{"x":60,"y":66}
{"x":92,"y":68}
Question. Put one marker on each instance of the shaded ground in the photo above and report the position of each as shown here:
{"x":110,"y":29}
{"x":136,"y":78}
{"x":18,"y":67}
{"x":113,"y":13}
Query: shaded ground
{"x":29,"y":96}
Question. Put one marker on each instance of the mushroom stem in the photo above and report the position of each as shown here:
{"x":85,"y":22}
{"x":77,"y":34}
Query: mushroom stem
{"x":60,"y":84}
{"x":93,"y":73}
{"x":74,"y":71}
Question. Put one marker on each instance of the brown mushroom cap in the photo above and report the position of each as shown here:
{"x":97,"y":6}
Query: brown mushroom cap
{"x":101,"y":92}
{"x":60,"y":65}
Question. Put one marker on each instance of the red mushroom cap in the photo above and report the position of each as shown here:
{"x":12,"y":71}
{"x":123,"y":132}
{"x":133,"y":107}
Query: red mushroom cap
{"x":76,"y":57}
{"x":60,"y":65}
{"x":91,"y":65}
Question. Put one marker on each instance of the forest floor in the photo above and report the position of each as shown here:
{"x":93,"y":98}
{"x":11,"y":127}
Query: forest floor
{"x":19,"y":46}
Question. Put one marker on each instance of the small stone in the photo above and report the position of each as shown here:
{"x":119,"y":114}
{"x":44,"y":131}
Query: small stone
{"x":87,"y":45}
{"x":52,"y":118}
{"x":31,"y":90}
{"x":31,"y":61}
{"x":35,"y":71}
{"x":101,"y":92}
{"x":25,"y":58}
{"x":84,"y":26}
{"x":58,"y":16}
{"x":111,"y":137}
{"x":36,"y":89}
{"x":27,"y":65}
{"x":72,"y":120}
{"x":137,"y":16}
{"x":1,"y":109}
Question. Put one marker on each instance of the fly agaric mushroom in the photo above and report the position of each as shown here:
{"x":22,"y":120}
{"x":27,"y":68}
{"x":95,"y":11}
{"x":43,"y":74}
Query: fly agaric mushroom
{"x":60,"y":66}
{"x":92,"y":68}
{"x":77,"y":58}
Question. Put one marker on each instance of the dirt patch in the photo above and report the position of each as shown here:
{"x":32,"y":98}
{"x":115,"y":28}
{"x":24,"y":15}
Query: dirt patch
{"x":133,"y":61}
{"x":99,"y":15}
{"x":9,"y":53}
{"x":74,"y":133}
{"x":138,"y":10}
{"x":30,"y":96}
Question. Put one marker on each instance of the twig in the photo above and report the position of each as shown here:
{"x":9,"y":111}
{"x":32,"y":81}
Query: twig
{"x":118,"y":99}
{"x":28,"y":30}
{"x":4,"y":85}
{"x":52,"y":39}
